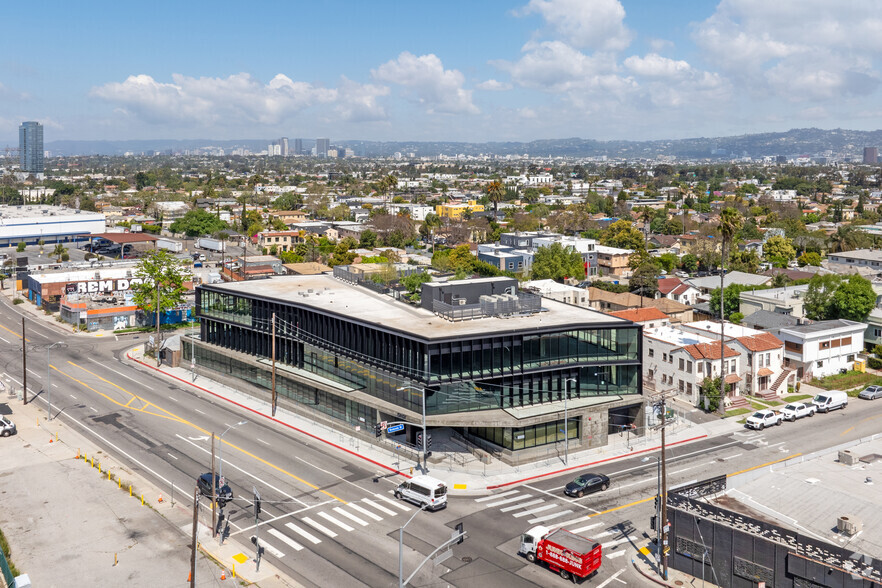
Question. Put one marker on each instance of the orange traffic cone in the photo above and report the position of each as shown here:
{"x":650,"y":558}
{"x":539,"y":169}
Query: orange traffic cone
{"x":51,"y":440}
{"x":190,"y":577}
{"x":223,"y":574}
{"x":160,"y":498}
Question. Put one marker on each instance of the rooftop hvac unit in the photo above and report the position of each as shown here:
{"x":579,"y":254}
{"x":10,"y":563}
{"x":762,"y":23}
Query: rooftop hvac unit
{"x":459,"y":301}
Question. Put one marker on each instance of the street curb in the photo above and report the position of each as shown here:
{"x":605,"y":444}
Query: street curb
{"x":648,"y":577}
{"x":582,"y":466}
{"x":268,"y":417}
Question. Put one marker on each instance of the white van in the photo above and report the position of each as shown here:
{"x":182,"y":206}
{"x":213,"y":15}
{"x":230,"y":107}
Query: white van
{"x":425,"y":491}
{"x":827,"y":401}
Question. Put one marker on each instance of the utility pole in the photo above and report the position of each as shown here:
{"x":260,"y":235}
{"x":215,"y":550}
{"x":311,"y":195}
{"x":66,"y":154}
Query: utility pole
{"x":158,"y":345}
{"x":274,"y":365}
{"x":213,"y":491}
{"x":659,"y":401}
{"x":24,"y":360}
{"x":193,"y":539}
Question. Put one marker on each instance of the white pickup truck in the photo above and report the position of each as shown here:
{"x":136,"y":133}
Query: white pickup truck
{"x":764,"y":418}
{"x":797,"y":410}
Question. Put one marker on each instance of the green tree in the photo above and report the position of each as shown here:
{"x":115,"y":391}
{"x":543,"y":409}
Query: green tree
{"x":367,"y":239}
{"x":668,"y":261}
{"x":644,"y":280}
{"x":744,"y":261}
{"x":819,"y":297}
{"x":495,"y":193}
{"x":555,"y":262}
{"x":833,"y":296}
{"x":622,"y":234}
{"x":809,"y":258}
{"x":689,"y":263}
{"x":777,"y":248}
{"x":732,"y":297}
{"x":414,"y":283}
{"x":710,"y":393}
{"x":163,"y":269}
{"x":197,"y":223}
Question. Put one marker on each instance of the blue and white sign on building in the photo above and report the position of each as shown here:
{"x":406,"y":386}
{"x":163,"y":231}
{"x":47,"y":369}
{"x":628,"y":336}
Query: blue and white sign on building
{"x":394,"y":428}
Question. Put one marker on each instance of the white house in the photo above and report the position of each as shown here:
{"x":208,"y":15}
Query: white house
{"x":822,"y":348}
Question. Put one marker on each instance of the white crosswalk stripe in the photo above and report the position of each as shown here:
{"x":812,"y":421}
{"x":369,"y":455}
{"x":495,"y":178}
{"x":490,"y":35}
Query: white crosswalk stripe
{"x":614,"y":554}
{"x":364,"y":511}
{"x":285,"y":539}
{"x":379,"y":507}
{"x":585,"y":528}
{"x":522,"y":505}
{"x":331,"y":519}
{"x":305,"y":534}
{"x":567,"y":524}
{"x":495,"y":496}
{"x":527,"y":513}
{"x":550,"y":517}
{"x":350,"y":516}
{"x":270,"y":549}
{"x":509,"y":500}
{"x":396,"y":503}
{"x":615,"y":542}
{"x":320,"y":527}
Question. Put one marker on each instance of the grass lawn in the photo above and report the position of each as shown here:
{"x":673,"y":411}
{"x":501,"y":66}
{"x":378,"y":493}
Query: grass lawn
{"x":797,"y":397}
{"x":757,"y":405}
{"x":847,"y":381}
{"x":737,"y":411}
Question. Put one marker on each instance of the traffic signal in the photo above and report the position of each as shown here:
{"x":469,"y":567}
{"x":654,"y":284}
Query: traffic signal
{"x":656,"y":502}
{"x":378,"y":430}
{"x":459,"y":530}
{"x":256,"y":506}
{"x":420,"y":440}
{"x":652,"y":522}
{"x":428,"y":440}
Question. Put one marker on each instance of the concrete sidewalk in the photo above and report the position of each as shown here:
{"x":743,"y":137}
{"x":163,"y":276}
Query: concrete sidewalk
{"x":71,"y":521}
{"x":472,"y":478}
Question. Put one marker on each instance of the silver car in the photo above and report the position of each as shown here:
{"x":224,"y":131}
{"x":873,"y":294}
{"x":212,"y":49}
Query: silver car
{"x":7,"y":427}
{"x":871,"y":393}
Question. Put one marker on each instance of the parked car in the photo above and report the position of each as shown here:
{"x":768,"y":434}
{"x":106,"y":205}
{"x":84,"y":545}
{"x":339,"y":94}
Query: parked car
{"x":764,"y":418}
{"x":871,"y":393}
{"x":587,"y":484}
{"x":7,"y":427}
{"x":224,"y":493}
{"x":830,"y":400}
{"x":797,"y":410}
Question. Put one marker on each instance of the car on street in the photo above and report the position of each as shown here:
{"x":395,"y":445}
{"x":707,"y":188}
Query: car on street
{"x":764,"y":418}
{"x":871,"y":393}
{"x":7,"y":427}
{"x":224,"y":493}
{"x":797,"y":410}
{"x":587,"y":484}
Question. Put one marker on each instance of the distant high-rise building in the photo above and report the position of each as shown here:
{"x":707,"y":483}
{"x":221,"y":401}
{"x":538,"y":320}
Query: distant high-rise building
{"x":30,"y":145}
{"x":283,"y":143}
{"x":298,"y":146}
{"x":871,"y":155}
{"x":321,"y":147}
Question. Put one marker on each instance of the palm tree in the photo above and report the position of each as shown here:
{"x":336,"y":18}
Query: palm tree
{"x":495,"y":193}
{"x":730,"y":223}
{"x":646,"y":215}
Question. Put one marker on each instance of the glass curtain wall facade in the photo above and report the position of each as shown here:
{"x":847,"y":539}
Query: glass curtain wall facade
{"x":30,"y":145}
{"x":465,"y":374}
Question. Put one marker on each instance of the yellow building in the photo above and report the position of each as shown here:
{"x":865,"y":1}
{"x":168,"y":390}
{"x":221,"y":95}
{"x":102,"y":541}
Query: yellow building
{"x":456,"y":211}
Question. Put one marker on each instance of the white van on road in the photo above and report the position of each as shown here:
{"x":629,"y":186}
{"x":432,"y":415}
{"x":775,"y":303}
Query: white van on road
{"x":830,"y":400}
{"x":426,"y":491}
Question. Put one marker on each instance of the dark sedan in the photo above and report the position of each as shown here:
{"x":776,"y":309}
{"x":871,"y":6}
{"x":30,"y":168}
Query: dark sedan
{"x":224,"y":493}
{"x":587,"y":484}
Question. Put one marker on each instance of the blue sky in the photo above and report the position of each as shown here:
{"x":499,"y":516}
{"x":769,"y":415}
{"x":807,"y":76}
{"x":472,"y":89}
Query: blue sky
{"x":478,"y":70}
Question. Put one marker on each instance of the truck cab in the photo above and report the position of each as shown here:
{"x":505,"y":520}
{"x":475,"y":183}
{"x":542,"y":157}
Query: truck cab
{"x":530,"y":539}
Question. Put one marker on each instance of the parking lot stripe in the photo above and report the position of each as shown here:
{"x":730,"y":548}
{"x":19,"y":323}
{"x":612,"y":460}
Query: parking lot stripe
{"x":365,"y":511}
{"x":285,"y":539}
{"x":350,"y":516}
{"x":320,"y":527}
{"x":331,"y":519}
{"x":522,"y":505}
{"x":306,"y":535}
{"x":486,"y":498}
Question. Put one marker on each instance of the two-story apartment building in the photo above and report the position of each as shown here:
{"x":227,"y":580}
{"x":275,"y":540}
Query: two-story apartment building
{"x":789,"y":301}
{"x":281,"y":240}
{"x":870,"y":258}
{"x":613,"y":261}
{"x":456,"y":211}
{"x":822,"y":348}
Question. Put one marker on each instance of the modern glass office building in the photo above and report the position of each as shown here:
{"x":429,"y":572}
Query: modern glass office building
{"x":503,"y":378}
{"x":30,"y":145}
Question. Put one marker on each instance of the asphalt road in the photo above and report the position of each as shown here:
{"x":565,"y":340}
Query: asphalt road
{"x":329,"y":518}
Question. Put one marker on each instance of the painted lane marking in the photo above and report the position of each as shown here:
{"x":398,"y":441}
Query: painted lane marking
{"x":378,"y":507}
{"x":331,"y":519}
{"x":365,"y":511}
{"x":549,"y":517}
{"x":538,"y":509}
{"x":394,"y":503}
{"x":305,"y":534}
{"x":585,"y":528}
{"x":522,"y":505}
{"x":508,"y":501}
{"x":495,"y":496}
{"x":285,"y":539}
{"x":320,"y":527}
{"x":350,"y":516}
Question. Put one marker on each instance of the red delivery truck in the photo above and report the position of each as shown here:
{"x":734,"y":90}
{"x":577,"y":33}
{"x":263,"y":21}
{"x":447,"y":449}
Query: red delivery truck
{"x":566,"y":553}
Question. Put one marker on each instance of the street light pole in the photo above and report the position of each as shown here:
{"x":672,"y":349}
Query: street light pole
{"x":220,"y":447}
{"x":566,"y":419}
{"x":401,"y":548}
{"x":658,"y":545}
{"x":49,"y":382}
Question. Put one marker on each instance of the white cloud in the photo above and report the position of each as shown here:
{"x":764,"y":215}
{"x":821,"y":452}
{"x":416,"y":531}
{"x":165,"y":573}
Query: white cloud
{"x":439,"y":90}
{"x":492,"y":85}
{"x":595,"y":24}
{"x":208,"y":100}
{"x":805,"y":50}
{"x":656,"y":66}
{"x":527,"y":113}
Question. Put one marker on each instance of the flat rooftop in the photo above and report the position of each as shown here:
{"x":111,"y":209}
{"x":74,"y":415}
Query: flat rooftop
{"x":325,"y":293}
{"x":676,"y":336}
{"x":29,"y":212}
{"x":730,"y":329}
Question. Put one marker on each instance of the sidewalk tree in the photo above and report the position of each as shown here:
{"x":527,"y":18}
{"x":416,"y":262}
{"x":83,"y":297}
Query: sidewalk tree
{"x":163,"y":268}
{"x":556,"y":263}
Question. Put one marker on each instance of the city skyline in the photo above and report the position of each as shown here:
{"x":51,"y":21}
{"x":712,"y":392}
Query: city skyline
{"x":490,"y":71}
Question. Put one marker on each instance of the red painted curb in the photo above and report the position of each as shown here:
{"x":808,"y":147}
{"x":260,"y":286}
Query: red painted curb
{"x":275,"y":420}
{"x":581,"y":466}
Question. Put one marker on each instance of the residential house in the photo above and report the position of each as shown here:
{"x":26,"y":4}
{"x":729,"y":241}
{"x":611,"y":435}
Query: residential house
{"x":677,"y":311}
{"x":457,"y":211}
{"x":709,"y":283}
{"x":788,"y":300}
{"x":613,"y":261}
{"x":289,"y":217}
{"x":611,"y":301}
{"x":675,"y":289}
{"x":765,"y":320}
{"x":650,"y":317}
{"x":873,"y":334}
{"x":822,"y":348}
{"x":505,"y":258}
{"x":281,"y":240}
